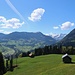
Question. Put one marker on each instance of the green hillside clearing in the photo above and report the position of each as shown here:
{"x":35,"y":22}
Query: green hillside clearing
{"x":43,"y":65}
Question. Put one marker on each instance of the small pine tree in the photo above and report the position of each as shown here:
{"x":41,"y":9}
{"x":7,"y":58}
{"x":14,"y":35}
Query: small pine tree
{"x":11,"y":64}
{"x":2,"y":66}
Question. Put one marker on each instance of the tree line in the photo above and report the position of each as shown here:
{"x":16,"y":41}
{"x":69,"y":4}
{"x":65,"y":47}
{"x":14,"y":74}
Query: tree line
{"x":52,"y":49}
{"x":55,"y":49}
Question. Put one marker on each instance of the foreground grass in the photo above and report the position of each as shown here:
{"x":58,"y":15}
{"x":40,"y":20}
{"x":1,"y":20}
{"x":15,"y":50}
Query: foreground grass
{"x":43,"y":65}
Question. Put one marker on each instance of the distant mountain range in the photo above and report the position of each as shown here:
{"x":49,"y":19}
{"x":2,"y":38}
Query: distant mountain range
{"x":57,"y":37}
{"x":26,"y":41}
{"x":23,"y":41}
{"x":66,"y":45}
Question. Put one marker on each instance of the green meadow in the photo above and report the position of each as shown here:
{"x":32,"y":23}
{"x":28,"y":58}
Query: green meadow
{"x":43,"y":65}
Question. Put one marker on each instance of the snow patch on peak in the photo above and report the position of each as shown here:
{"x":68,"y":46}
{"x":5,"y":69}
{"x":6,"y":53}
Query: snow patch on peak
{"x":57,"y":37}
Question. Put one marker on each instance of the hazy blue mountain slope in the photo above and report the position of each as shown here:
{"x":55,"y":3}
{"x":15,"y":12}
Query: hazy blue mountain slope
{"x":25,"y":41}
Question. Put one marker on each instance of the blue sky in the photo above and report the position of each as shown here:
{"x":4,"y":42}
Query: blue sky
{"x":46,"y":16}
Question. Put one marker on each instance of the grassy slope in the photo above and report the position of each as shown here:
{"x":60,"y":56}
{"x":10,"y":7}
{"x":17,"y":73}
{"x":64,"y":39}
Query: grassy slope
{"x":43,"y":65}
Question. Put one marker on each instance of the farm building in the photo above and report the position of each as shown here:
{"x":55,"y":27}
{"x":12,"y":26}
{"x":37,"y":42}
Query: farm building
{"x":66,"y":58}
{"x":31,"y":55}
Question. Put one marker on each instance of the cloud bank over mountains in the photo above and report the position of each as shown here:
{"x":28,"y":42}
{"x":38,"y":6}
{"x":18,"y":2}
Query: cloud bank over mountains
{"x":35,"y":15}
{"x":10,"y":23}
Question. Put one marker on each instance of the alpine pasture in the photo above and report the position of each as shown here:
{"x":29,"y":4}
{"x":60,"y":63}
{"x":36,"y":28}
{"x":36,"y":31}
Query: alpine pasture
{"x":43,"y":65}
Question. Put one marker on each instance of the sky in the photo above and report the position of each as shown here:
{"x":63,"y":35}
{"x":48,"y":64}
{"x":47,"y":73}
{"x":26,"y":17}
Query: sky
{"x":46,"y":16}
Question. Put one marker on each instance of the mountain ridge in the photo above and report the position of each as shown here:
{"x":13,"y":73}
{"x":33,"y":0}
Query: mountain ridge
{"x":16,"y":35}
{"x":24,"y":41}
{"x":69,"y":39}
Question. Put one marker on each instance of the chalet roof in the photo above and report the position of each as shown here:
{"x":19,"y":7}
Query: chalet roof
{"x":66,"y":55}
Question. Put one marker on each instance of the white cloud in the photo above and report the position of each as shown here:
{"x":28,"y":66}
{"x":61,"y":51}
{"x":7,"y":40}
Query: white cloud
{"x":5,"y":32}
{"x":36,"y":14}
{"x":2,"y":19}
{"x":1,"y":31}
{"x":55,"y":27}
{"x":11,"y":23}
{"x":66,"y":25}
